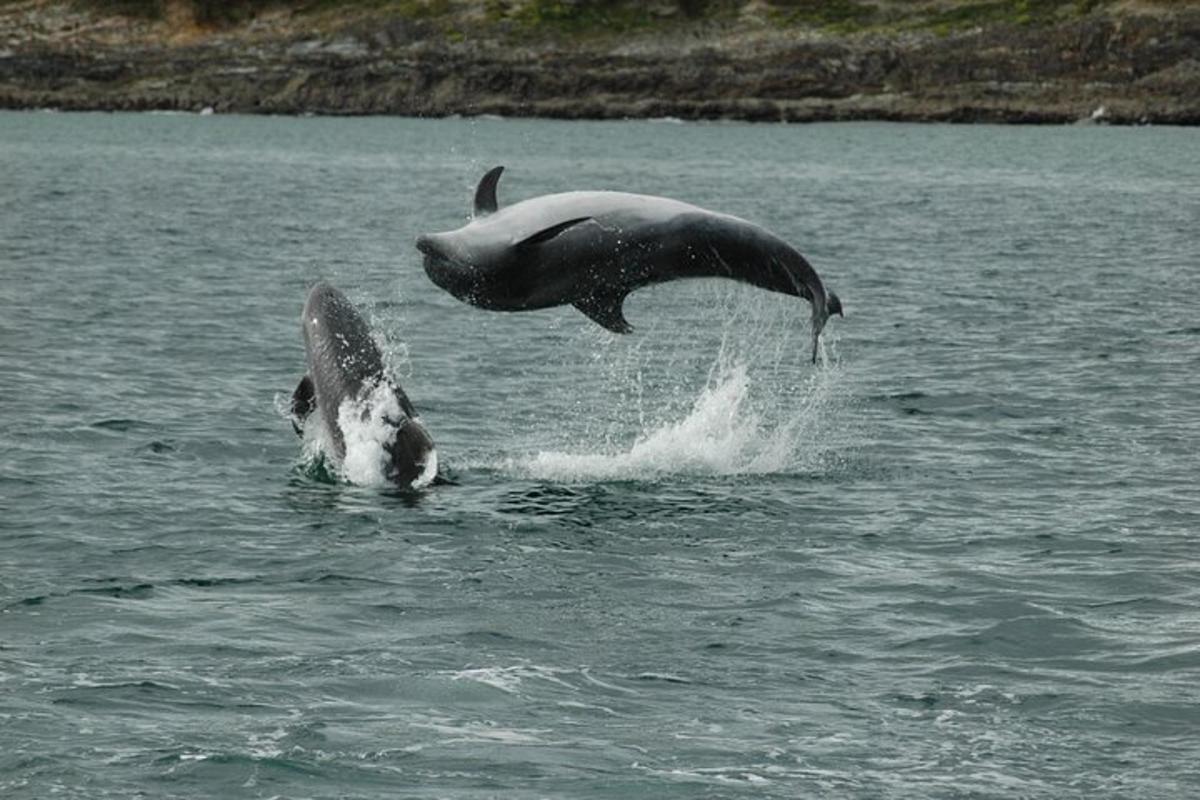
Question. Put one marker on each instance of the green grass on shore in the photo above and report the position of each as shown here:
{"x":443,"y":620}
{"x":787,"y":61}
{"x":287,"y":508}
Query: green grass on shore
{"x":587,"y":17}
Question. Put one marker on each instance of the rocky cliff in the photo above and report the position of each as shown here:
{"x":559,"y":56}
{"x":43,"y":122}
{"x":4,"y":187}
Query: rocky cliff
{"x":1124,"y":65}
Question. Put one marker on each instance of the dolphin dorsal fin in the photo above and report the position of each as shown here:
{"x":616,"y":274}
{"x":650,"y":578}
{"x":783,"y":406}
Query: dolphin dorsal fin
{"x":485,"y":192}
{"x":603,"y":306}
{"x":546,"y":234}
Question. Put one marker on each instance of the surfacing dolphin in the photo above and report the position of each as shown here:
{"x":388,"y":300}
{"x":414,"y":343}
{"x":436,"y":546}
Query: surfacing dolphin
{"x":344,"y":364}
{"x":591,"y":249}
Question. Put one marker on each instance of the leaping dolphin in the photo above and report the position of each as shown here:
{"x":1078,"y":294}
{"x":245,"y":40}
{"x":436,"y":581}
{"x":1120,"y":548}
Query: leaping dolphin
{"x":344,"y":364}
{"x":591,"y":249}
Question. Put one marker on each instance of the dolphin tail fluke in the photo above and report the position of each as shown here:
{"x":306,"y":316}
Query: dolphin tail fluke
{"x":820,"y":315}
{"x":833,"y":304}
{"x":304,"y":401}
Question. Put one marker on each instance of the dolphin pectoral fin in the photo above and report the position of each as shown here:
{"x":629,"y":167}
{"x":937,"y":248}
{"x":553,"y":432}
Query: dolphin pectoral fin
{"x":304,"y":400}
{"x":405,"y":404}
{"x":604,"y":308}
{"x":485,"y":192}
{"x":546,"y":234}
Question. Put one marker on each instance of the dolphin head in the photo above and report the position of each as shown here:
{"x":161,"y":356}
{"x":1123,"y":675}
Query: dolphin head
{"x":469,"y":263}
{"x":450,"y":264}
{"x":341,"y":350}
{"x":455,"y":260}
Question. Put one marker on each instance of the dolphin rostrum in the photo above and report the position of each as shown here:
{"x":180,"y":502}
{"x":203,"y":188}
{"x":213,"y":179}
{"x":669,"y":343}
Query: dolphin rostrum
{"x":345,"y":365}
{"x":591,"y":249}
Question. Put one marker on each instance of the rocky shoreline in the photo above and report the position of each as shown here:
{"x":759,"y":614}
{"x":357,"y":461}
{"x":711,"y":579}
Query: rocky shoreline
{"x":1126,"y":69}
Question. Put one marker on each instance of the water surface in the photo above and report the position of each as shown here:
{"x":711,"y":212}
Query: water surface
{"x":959,"y":559}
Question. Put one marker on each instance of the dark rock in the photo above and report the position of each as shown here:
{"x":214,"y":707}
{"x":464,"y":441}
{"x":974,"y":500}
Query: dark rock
{"x":1139,"y":68}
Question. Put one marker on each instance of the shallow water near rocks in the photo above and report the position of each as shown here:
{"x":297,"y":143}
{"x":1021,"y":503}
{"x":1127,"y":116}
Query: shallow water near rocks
{"x":958,"y":559}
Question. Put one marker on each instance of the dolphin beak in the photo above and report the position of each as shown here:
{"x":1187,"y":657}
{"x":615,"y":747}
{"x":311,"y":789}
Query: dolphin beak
{"x":442,"y":266}
{"x":427,"y":245}
{"x":441,"y":248}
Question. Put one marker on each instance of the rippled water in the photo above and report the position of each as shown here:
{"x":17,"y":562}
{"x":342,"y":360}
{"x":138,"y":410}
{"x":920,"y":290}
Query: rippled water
{"x":962,"y":559}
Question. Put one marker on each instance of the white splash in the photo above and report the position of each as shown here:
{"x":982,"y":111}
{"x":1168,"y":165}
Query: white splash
{"x":367,"y":431}
{"x":729,"y":430}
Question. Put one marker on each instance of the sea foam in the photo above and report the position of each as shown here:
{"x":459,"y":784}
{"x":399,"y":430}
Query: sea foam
{"x":744,"y":419}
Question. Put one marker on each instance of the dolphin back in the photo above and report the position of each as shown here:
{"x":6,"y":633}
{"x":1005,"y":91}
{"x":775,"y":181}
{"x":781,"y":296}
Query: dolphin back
{"x":709,"y":244}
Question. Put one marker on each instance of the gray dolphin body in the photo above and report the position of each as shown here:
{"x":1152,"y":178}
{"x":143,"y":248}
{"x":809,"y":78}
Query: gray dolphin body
{"x":591,"y":249}
{"x":344,"y":363}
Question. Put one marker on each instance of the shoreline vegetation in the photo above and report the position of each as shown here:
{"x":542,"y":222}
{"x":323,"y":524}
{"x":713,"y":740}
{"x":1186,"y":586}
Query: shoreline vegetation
{"x":1031,"y":61}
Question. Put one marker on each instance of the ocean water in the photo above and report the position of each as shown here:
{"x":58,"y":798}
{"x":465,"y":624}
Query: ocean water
{"x":958,"y":559}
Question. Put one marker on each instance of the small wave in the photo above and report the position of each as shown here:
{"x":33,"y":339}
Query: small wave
{"x":662,"y":677}
{"x":208,"y":583}
{"x":84,"y":681}
{"x":338,"y":578}
{"x":723,"y":776}
{"x":122,"y":425}
{"x":134,"y":592}
{"x":506,"y":680}
{"x":510,"y":678}
{"x":454,"y":731}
